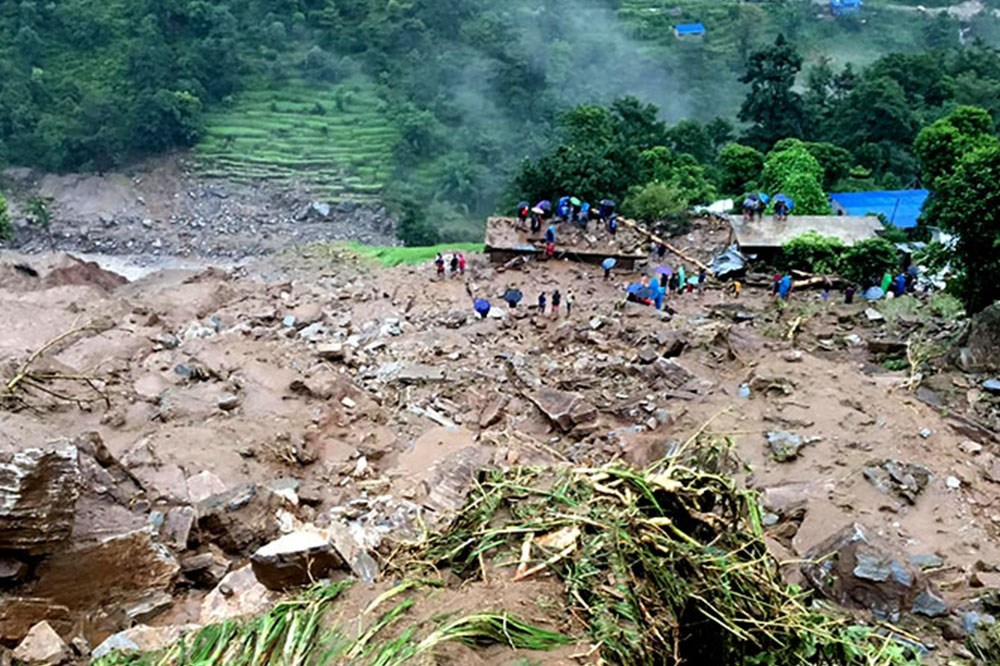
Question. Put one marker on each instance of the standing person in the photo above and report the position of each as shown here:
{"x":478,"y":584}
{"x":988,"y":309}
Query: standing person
{"x":673,"y":284}
{"x":439,"y":264}
{"x":886,"y":282}
{"x":702,"y":276}
{"x":613,"y":225}
{"x":461,"y":263}
{"x":541,"y":303}
{"x":827,"y":285}
{"x":681,"y":280}
{"x":661,"y":251}
{"x":775,"y":281}
{"x":570,"y":299}
{"x":658,"y":291}
{"x":523,"y":211}
{"x":785,"y":287}
{"x":454,"y":265}
{"x":901,"y":284}
{"x":737,"y":288}
{"x":556,"y":301}
{"x":849,"y":294}
{"x":550,"y":250}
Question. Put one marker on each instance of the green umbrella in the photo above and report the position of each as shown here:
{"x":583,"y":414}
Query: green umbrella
{"x":574,"y":201}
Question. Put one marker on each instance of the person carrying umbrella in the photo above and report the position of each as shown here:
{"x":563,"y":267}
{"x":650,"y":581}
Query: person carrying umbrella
{"x":512,"y":296}
{"x":607,"y":265}
{"x":523,"y":211}
{"x":563,"y":209}
{"x":605,"y":209}
{"x":482,"y":307}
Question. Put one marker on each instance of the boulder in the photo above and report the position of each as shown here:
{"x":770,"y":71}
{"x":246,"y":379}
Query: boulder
{"x":239,"y":520}
{"x":566,"y":410}
{"x":238,"y":594}
{"x":117,"y":570}
{"x":984,"y":341}
{"x":294,"y":560}
{"x":672,"y":342}
{"x":206,"y":569}
{"x":784,"y":446}
{"x":853,"y":570}
{"x":38,"y":493}
{"x":148,"y":607}
{"x":19,"y":614}
{"x":203,"y":485}
{"x":674,"y":375}
{"x":142,"y":638}
{"x":42,"y":647}
{"x":177,"y":524}
{"x":419,"y":373}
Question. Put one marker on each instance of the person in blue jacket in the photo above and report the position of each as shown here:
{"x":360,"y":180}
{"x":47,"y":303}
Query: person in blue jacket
{"x":550,"y":234}
{"x":785,"y":287}
{"x":563,"y":209}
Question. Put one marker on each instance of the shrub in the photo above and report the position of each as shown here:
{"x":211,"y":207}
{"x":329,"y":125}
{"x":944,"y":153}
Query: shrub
{"x":868,"y":259}
{"x":813,"y":253}
{"x":655,"y":202}
{"x":6,"y":228}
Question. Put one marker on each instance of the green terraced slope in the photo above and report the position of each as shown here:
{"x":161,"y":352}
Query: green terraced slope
{"x":331,"y":140}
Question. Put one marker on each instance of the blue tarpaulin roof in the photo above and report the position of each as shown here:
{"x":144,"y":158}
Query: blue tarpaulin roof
{"x":900,"y":207}
{"x":689,"y":29}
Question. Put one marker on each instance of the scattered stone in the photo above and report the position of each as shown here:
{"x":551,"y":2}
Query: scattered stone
{"x":333,"y":351}
{"x":648,"y":354}
{"x":228,"y":402}
{"x":203,"y":485}
{"x":970,"y":447}
{"x":786,"y":500}
{"x":853,"y":340}
{"x":926,"y":432}
{"x":142,"y":638}
{"x":493,"y":411}
{"x":38,"y":493}
{"x":148,"y":607}
{"x":206,"y":569}
{"x":673,"y":374}
{"x":984,"y":341}
{"x":985,"y":579}
{"x":853,"y":570}
{"x":177,"y":524}
{"x":239,"y":520}
{"x":12,"y":571}
{"x":784,"y":446}
{"x":42,"y":647}
{"x":296,"y":559}
{"x":792,"y":356}
{"x":288,"y":321}
{"x":565,"y":410}
{"x":873,"y":315}
{"x":672,"y":341}
{"x":952,"y":483}
{"x":924,"y":562}
{"x":972,"y":620}
{"x":120,"y":569}
{"x":19,"y":614}
{"x":992,"y":386}
{"x":906,"y":480}
{"x":238,"y":594}
{"x":418,"y":373}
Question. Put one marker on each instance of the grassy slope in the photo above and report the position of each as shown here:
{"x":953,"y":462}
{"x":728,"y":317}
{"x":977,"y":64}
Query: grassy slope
{"x":333,"y":139}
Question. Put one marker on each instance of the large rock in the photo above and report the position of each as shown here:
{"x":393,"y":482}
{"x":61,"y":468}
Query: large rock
{"x":12,"y":571}
{"x":566,"y":410}
{"x":19,"y":614}
{"x":38,"y":493}
{"x":42,"y":647}
{"x":118,"y":570}
{"x":142,"y":638}
{"x":296,"y":559}
{"x":239,"y":520}
{"x":983,"y":348}
{"x":238,"y":594}
{"x":853,"y":570}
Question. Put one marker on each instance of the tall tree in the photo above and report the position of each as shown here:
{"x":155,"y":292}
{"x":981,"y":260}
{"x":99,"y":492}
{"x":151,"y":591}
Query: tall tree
{"x":773,"y":108}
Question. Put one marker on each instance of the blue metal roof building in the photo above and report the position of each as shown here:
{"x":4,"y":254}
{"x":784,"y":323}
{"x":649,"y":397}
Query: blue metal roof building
{"x":841,"y":7}
{"x":689,"y":30}
{"x":900,"y":207}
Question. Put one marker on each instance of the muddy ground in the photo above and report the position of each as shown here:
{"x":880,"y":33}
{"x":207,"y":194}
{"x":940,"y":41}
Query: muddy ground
{"x":356,"y":396}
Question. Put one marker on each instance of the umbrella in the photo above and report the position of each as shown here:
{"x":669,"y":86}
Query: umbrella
{"x":607,"y":202}
{"x":639,"y":290}
{"x":482,"y":307}
{"x":763,"y":197}
{"x":513,"y":297}
{"x":753,"y":197}
{"x":873,"y":293}
{"x":788,"y":202}
{"x":522,"y":204}
{"x":544,"y":204}
{"x":609,"y":263}
{"x":537,"y":211}
{"x":664,"y":270}
{"x":574,"y":201}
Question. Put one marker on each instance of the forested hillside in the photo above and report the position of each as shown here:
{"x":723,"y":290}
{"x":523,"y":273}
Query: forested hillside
{"x":432,"y":105}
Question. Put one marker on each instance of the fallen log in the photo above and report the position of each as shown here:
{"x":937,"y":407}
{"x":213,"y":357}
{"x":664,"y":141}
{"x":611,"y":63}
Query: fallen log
{"x":632,"y":224}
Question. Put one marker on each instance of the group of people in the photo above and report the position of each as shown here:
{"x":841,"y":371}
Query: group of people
{"x":556,"y":301}
{"x":567,"y":209}
{"x":754,"y":206}
{"x":456,"y":264}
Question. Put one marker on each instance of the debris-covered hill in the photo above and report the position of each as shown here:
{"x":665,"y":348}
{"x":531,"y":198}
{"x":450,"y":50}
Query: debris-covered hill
{"x":192,"y":447}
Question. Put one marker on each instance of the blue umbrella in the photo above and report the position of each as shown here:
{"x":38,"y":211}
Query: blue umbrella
{"x":788,"y":202}
{"x":764,"y":198}
{"x":513,"y":296}
{"x":609,"y":263}
{"x":664,"y":270}
{"x":482,"y":307}
{"x":639,"y":290}
{"x":544,"y":204}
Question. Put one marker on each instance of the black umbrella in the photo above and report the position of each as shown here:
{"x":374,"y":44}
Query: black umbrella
{"x":513,"y":297}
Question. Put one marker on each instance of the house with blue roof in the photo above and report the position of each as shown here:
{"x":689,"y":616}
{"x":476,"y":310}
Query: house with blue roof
{"x":845,"y":7}
{"x":900,"y":207}
{"x":686,"y":30}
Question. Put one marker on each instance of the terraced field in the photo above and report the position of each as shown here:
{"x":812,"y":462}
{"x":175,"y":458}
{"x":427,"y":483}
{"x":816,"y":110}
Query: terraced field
{"x":331,"y":140}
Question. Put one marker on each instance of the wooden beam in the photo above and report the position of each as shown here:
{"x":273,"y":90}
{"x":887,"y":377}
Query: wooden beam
{"x":632,"y":224}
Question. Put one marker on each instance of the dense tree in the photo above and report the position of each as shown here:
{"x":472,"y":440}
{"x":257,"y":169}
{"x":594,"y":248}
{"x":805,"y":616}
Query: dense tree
{"x":772,"y":107}
{"x":794,"y":172}
{"x":941,"y":145}
{"x":741,"y":168}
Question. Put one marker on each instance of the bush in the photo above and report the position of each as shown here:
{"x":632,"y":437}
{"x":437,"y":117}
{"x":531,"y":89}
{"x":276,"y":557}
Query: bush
{"x":812,"y":253}
{"x":6,"y":228}
{"x":655,"y":202}
{"x":868,"y":259}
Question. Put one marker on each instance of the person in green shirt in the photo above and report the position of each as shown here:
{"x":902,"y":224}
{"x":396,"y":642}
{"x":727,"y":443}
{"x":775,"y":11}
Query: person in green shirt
{"x":886,"y":282}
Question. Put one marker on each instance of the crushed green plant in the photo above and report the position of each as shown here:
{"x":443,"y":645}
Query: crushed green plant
{"x":295,"y":633}
{"x":664,"y":566}
{"x":390,"y":256}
